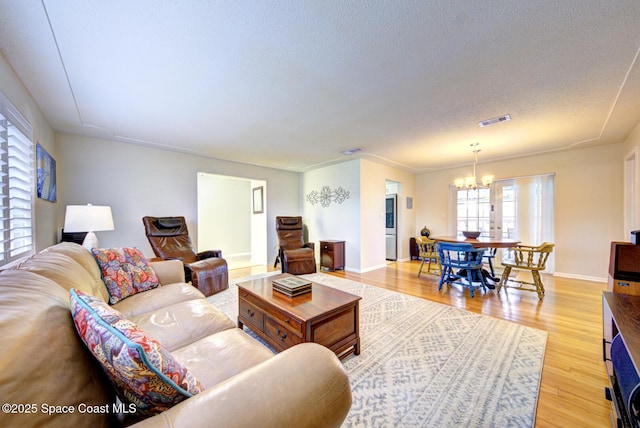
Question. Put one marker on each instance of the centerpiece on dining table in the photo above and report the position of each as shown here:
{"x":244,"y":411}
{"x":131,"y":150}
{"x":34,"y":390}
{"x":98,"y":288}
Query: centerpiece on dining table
{"x":470,"y":234}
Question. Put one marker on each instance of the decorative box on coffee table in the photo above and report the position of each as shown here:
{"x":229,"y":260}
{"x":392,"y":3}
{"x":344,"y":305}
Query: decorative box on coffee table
{"x":291,"y":286}
{"x":325,"y":315}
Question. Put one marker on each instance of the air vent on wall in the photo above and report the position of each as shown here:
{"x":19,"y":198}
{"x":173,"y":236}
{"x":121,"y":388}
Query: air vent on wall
{"x":488,"y":122}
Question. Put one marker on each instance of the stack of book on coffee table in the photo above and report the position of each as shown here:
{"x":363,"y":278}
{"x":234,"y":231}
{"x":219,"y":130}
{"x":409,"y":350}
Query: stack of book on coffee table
{"x":291,"y":285}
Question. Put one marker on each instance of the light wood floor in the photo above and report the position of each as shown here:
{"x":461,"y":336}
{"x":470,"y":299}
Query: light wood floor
{"x":573,"y":376}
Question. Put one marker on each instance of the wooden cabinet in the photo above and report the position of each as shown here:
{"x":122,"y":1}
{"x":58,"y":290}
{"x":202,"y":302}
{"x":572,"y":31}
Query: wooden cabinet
{"x":332,"y":254}
{"x":624,"y":268}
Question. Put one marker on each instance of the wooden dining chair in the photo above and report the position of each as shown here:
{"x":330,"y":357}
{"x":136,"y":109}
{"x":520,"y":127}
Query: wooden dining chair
{"x":527,"y":258}
{"x":461,"y":264}
{"x":428,"y":253}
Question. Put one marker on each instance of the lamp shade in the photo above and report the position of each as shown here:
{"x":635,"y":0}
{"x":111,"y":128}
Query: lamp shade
{"x":88,"y":218}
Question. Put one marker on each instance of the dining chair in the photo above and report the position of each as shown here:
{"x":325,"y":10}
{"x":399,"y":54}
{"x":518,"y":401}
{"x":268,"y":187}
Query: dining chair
{"x":526,"y":258}
{"x":489,"y":255}
{"x":428,"y":253}
{"x":461,"y":264}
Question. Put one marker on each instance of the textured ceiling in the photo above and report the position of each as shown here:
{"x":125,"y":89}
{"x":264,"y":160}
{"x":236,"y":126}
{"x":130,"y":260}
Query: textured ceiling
{"x":290,"y":84}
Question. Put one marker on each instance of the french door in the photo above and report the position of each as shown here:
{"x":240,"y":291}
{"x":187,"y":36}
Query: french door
{"x":504,"y":203}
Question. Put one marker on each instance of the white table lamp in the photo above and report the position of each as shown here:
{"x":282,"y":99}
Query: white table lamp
{"x":88,"y":218}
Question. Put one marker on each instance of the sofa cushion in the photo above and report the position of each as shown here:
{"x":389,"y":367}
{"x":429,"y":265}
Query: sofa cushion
{"x":78,"y":253}
{"x":183,"y":323}
{"x":66,"y":272}
{"x":125,"y":272}
{"x":231,"y":352}
{"x":141,"y":369}
{"x":157,"y":298}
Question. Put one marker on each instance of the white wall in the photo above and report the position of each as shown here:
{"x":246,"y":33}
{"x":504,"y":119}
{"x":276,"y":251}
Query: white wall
{"x":339,"y":221}
{"x":632,"y":147}
{"x":137,"y":181}
{"x":360,"y":220}
{"x":259,"y":250}
{"x":225,"y":226}
{"x":588,"y":205}
{"x":14,"y":90}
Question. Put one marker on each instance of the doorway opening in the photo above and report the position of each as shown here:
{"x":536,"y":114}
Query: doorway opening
{"x":391,"y":220}
{"x":230,"y":220}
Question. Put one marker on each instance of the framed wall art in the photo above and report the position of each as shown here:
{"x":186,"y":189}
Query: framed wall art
{"x":46,"y":166}
{"x":258,"y":200}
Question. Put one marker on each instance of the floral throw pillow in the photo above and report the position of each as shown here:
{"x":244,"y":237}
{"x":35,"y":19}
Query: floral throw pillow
{"x":143,"y":371}
{"x":125,"y":272}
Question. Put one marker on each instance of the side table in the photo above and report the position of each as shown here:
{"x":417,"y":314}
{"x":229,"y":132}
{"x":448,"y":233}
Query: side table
{"x":332,"y":254}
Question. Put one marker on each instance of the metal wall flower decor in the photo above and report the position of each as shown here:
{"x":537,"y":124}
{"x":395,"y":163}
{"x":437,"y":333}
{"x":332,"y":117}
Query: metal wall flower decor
{"x":325,"y":196}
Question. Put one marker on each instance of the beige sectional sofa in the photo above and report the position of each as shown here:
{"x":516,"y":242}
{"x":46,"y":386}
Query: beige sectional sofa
{"x":49,"y":378}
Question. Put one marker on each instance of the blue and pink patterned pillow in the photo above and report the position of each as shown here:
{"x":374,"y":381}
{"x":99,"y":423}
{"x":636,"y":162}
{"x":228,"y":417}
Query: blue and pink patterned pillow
{"x":142,"y":370}
{"x":125,"y":272}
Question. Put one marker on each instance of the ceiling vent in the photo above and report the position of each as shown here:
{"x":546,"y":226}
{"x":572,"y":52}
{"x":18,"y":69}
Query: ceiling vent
{"x":488,"y":122}
{"x":351,"y":151}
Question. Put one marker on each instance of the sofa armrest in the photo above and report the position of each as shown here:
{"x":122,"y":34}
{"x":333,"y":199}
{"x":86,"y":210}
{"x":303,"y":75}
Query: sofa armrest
{"x":309,"y":245}
{"x":168,"y":271}
{"x":304,"y":386}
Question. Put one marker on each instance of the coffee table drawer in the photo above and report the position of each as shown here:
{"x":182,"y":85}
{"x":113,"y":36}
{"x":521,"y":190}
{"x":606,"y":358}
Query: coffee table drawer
{"x":286,"y":320}
{"x":252,"y":314}
{"x":280,"y":334}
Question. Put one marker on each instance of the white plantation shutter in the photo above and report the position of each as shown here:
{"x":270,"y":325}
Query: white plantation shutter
{"x":17,"y":184}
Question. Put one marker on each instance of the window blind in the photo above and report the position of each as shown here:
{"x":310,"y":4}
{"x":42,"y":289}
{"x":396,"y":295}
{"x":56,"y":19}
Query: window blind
{"x":17,"y":184}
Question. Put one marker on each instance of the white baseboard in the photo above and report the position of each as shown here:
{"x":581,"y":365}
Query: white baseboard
{"x":228,"y":256}
{"x":369,"y":269}
{"x":580,"y":277}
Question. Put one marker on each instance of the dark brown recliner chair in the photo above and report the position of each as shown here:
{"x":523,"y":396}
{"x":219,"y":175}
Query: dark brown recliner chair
{"x":296,"y":256}
{"x":169,"y":239}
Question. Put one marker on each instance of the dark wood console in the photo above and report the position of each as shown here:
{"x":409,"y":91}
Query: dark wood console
{"x":620,"y":314}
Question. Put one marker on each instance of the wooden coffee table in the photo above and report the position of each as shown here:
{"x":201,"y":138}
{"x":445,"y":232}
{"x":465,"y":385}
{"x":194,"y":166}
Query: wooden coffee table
{"x":326,"y":316}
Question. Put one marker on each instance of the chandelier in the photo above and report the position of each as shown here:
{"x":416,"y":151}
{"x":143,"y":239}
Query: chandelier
{"x":472,"y":182}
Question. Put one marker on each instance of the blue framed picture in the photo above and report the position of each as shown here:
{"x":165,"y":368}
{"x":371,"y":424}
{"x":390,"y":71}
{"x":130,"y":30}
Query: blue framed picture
{"x":46,"y":175}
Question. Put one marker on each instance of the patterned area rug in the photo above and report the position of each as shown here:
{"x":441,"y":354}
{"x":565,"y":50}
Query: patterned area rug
{"x":424,"y":364}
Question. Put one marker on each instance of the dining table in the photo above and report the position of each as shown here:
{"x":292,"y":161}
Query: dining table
{"x":481,"y":242}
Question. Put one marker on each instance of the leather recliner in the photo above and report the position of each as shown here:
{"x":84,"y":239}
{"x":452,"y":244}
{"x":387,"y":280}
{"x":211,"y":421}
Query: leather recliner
{"x":297,"y":257}
{"x":169,"y":239}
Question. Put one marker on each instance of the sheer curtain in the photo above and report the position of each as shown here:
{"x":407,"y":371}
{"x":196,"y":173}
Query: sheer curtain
{"x":535,"y":211}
